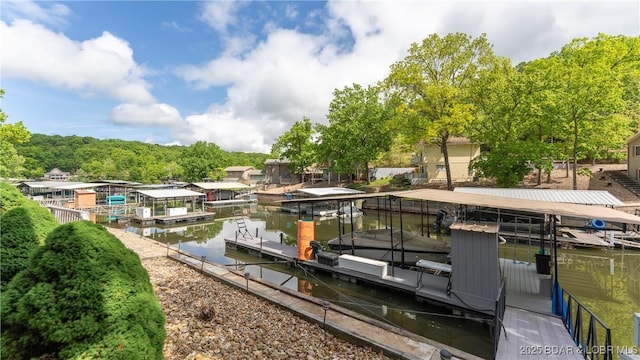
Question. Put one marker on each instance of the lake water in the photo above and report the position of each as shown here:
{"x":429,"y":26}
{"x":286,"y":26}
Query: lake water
{"x":608,"y":282}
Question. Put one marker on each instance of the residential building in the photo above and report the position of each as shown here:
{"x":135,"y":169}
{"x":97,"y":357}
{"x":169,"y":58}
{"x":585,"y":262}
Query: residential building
{"x":238,"y":173}
{"x":633,"y":157}
{"x":57,"y":175}
{"x":431,"y":166}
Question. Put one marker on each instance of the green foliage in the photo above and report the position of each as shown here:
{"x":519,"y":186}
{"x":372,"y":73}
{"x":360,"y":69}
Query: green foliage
{"x":10,"y":197}
{"x":508,"y":164}
{"x":93,"y":159}
{"x":84,"y":295}
{"x":11,"y":163}
{"x":429,"y":88}
{"x":296,"y":146}
{"x":357,"y":133}
{"x":202,"y":160}
{"x":22,"y":230}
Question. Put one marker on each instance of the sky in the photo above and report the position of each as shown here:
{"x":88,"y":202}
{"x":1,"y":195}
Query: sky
{"x":239,"y":74}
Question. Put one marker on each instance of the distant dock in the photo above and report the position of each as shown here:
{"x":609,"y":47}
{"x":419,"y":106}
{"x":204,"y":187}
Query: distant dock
{"x":172,"y":220}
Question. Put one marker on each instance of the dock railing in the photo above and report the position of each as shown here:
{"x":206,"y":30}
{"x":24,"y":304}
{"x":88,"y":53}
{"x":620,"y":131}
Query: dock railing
{"x":501,"y":302}
{"x":597,"y":344}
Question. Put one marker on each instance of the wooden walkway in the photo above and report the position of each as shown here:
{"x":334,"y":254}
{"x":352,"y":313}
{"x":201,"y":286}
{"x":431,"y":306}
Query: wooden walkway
{"x":532,"y":330}
{"x":577,"y":238}
{"x":531,"y":335}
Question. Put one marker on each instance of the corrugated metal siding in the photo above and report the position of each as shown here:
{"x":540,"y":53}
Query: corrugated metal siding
{"x":587,"y":197}
{"x":475,"y":264}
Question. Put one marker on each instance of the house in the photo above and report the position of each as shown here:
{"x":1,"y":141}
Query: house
{"x":256,"y":177}
{"x":238,"y":173}
{"x":278,"y":172}
{"x":431,"y":167}
{"x":57,"y":175}
{"x":633,"y":157}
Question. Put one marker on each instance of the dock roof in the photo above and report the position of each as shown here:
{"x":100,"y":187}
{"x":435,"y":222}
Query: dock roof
{"x":329,"y":191}
{"x":587,"y":197}
{"x":224,"y":185}
{"x":497,"y":202}
{"x":169,"y":193}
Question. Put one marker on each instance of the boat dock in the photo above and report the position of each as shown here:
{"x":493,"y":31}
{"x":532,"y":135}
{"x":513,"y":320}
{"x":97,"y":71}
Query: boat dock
{"x":573,"y":237}
{"x":530,"y":327}
{"x":171,"y":220}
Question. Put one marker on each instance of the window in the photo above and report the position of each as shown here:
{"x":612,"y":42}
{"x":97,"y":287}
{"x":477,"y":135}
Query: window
{"x":440,"y":168}
{"x":636,"y":150}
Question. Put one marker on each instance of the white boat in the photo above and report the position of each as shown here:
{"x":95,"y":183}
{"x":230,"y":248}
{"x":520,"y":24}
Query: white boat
{"x":376,"y":244}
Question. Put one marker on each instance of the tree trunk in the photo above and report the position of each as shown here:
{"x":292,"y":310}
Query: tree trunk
{"x":366,"y":172}
{"x":575,"y":153}
{"x":445,"y":154}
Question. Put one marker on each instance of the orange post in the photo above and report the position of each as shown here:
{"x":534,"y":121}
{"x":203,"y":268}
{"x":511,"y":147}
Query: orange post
{"x":306,"y":234}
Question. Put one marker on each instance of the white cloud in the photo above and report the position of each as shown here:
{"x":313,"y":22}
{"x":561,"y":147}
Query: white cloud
{"x":230,"y":131}
{"x":146,"y":114}
{"x":55,"y":14}
{"x":219,"y":14}
{"x":103,"y":65}
{"x":276,"y":76}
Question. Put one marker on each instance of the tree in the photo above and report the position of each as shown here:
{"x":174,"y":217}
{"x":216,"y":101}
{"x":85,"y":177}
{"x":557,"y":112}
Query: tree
{"x":357,"y":132}
{"x":296,"y":146}
{"x":430,"y":85}
{"x":83,"y":296}
{"x":202,"y":160}
{"x":589,"y":96}
{"x":11,"y":163}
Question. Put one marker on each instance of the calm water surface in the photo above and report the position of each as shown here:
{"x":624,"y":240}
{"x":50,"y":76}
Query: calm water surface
{"x":608,"y":282}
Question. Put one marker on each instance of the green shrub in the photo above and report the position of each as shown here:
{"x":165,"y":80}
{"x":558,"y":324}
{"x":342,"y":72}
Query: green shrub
{"x":22,"y":229}
{"x":10,"y":197}
{"x":84,"y":295}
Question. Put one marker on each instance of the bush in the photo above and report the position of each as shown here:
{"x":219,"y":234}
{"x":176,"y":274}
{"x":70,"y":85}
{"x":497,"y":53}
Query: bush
{"x":83,"y":295}
{"x":22,"y":230}
{"x":10,"y":197}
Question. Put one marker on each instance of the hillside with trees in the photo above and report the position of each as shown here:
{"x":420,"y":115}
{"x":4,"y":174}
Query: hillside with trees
{"x":92,"y":159}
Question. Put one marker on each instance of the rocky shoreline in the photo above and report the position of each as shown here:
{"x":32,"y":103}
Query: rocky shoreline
{"x":207,"y":319}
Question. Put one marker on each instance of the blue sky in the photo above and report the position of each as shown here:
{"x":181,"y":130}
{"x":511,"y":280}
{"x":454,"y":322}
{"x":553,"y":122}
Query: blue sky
{"x":239,"y":74}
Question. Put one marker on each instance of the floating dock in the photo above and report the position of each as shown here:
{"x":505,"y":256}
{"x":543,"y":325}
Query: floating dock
{"x":528,"y":304}
{"x":171,"y":220}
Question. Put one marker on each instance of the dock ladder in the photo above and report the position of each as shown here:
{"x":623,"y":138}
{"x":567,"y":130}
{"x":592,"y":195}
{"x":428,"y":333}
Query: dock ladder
{"x":242,"y":226}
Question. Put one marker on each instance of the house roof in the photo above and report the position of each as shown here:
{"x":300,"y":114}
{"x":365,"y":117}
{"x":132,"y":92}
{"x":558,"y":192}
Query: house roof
{"x":169,"y":193}
{"x":224,"y":185}
{"x":588,"y":197}
{"x":633,"y":138}
{"x":276,"y":161}
{"x":238,"y":168}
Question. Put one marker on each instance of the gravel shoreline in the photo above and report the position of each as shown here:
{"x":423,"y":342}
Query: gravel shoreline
{"x":207,"y":319}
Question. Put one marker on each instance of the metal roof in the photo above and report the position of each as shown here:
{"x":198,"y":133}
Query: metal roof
{"x":588,"y":197}
{"x":497,"y":202}
{"x":61,"y":185}
{"x":225,"y":185}
{"x":169,"y":193}
{"x":536,"y":206}
{"x":329,"y":191}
